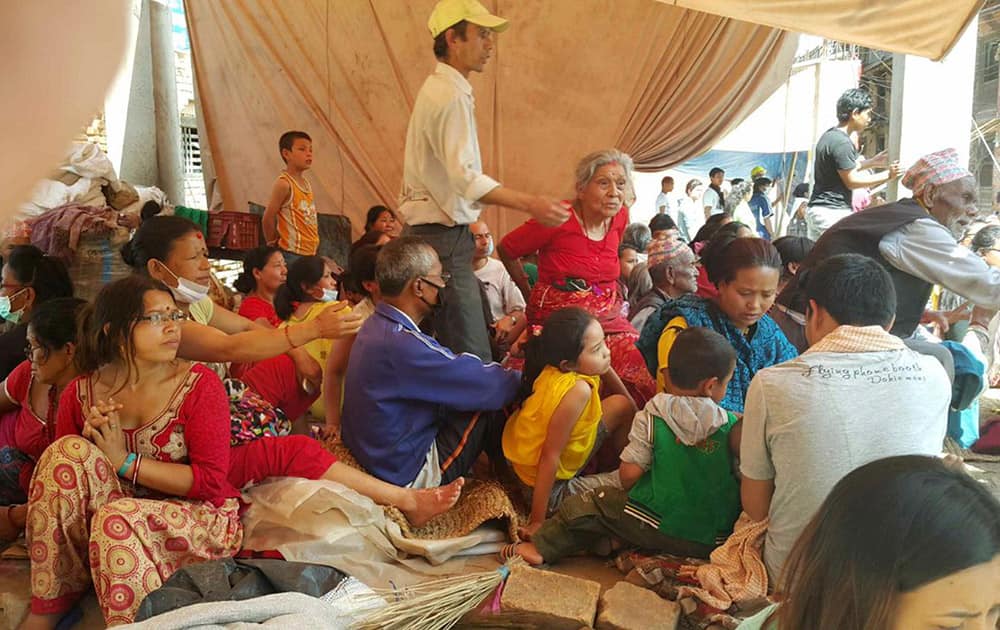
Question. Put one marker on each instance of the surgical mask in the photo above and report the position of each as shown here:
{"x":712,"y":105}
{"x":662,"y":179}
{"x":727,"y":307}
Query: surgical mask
{"x":490,"y":247}
{"x":186,"y":292}
{"x":5,"y":312}
{"x":329,"y":295}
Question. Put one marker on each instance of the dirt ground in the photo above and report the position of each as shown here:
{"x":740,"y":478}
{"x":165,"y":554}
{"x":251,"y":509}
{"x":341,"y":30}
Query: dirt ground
{"x":15,"y":574}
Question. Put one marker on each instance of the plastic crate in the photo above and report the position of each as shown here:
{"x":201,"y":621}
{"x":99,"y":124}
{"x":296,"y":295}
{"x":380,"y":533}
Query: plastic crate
{"x":233,"y":230}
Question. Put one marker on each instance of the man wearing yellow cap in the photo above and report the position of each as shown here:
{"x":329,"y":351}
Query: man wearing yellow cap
{"x":916,"y":240}
{"x":444,"y":187}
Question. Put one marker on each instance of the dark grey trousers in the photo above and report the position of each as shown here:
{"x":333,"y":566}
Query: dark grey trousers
{"x":459,"y":325}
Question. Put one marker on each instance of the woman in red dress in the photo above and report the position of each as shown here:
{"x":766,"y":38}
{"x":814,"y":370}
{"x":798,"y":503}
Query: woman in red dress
{"x":578,"y":262}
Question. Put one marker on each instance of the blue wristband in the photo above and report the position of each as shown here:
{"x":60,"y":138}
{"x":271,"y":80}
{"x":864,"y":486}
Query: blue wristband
{"x":129,"y":460}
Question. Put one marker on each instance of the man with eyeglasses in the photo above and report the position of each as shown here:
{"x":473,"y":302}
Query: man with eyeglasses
{"x":415,"y":413}
{"x":505,"y":302}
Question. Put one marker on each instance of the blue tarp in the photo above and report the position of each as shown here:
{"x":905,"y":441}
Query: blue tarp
{"x":740,"y":163}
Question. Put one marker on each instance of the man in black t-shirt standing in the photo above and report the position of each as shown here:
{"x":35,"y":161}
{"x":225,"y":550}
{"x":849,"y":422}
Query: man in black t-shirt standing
{"x":837,"y":171}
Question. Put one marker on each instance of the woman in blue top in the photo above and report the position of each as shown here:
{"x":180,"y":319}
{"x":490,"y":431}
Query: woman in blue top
{"x":746,"y":273}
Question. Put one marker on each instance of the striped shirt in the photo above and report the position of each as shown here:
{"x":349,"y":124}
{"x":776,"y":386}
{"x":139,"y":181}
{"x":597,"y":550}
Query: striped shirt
{"x":298,"y":231}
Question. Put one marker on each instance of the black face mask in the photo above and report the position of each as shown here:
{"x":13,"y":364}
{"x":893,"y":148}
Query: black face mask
{"x":440,"y":299}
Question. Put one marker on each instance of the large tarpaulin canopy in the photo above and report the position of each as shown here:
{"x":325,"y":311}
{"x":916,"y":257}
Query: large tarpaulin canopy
{"x":660,"y":82}
{"x":928,"y":28}
{"x":568,"y":77}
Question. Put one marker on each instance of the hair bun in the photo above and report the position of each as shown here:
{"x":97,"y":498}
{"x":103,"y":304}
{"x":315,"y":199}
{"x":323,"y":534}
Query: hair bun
{"x":128,"y":254}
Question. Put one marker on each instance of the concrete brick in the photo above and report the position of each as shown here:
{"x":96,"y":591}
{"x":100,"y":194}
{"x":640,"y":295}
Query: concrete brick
{"x":550,"y":600}
{"x":630,"y":607}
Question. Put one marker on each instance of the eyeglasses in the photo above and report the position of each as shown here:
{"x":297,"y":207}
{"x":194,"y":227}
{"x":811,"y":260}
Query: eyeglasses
{"x":445,"y":278}
{"x":30,"y":350}
{"x":159,"y":319}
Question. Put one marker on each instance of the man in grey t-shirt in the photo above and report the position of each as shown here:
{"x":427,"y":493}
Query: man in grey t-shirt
{"x":856,"y":395}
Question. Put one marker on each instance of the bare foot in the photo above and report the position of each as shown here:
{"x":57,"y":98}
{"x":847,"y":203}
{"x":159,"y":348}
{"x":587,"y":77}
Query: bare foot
{"x":35,"y":621}
{"x":429,"y":502}
{"x":12,"y":522}
{"x":529,"y":552}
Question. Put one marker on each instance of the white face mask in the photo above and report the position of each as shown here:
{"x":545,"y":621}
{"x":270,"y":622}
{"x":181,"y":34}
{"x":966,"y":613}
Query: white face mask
{"x":329,"y":295}
{"x":187,"y":292}
{"x":5,"y":312}
{"x":490,"y":247}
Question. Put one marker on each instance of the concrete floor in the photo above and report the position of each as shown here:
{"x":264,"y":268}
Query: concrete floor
{"x":15,"y":593}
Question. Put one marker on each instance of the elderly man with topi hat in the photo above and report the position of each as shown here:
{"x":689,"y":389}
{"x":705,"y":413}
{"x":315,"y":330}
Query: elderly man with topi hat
{"x":673,"y":272}
{"x":444,"y":187}
{"x":916,"y":240}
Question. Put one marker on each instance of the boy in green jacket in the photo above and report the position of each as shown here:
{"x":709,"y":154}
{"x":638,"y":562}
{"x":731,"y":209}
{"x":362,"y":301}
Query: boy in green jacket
{"x":678,"y":494}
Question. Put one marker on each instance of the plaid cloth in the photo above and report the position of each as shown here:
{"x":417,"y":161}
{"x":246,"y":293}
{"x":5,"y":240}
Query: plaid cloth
{"x":852,"y":339}
{"x":736,"y":571}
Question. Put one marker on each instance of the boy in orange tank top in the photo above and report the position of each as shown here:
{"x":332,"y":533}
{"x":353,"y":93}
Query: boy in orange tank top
{"x":289,"y":221}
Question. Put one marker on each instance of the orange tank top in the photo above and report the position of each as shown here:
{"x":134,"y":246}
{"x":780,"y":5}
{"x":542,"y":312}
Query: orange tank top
{"x":298,"y":231}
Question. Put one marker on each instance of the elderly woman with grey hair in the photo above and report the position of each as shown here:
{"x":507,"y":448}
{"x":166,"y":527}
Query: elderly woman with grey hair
{"x":578,"y":262}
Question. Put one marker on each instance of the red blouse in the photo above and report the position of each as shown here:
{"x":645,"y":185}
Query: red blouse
{"x":567,"y":252}
{"x":254,"y":308}
{"x":192,"y":429}
{"x":32,"y":434}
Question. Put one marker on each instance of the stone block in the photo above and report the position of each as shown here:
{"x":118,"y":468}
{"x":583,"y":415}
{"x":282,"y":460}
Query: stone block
{"x":629,"y":607}
{"x":550,"y":600}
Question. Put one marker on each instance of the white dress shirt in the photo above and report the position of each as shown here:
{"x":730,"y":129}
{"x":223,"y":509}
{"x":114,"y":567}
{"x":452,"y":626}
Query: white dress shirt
{"x":442,"y":168}
{"x":503,"y":295}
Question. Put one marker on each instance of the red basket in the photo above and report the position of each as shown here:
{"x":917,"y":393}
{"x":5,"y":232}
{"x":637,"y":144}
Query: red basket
{"x":233,"y":230}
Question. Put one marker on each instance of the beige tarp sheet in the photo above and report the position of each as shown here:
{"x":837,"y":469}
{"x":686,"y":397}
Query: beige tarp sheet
{"x":659,"y":81}
{"x":928,"y":28}
{"x":56,"y":62}
{"x":568,"y":77}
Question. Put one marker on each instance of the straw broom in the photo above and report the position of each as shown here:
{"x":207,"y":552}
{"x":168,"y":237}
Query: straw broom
{"x":434,"y":605}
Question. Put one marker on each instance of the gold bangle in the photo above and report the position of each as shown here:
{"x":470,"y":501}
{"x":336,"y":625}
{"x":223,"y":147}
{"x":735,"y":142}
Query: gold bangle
{"x":288,"y":336}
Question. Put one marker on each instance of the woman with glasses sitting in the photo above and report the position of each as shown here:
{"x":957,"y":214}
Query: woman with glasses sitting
{"x":136,"y":485}
{"x":31,"y":393}
{"x":172,"y":250}
{"x":28,"y":279}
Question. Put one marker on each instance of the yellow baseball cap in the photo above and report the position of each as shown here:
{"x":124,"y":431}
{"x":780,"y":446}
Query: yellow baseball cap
{"x":448,"y":13}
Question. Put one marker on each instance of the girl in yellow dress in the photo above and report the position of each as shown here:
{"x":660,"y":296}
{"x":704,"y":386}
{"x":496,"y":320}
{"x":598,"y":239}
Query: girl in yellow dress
{"x":563,"y":419}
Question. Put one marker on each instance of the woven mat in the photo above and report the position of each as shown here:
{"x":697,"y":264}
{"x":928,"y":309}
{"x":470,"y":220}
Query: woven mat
{"x":480,"y":502}
{"x":952,"y":447}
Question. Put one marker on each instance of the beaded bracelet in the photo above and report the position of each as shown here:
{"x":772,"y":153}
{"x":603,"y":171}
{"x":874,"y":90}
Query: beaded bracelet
{"x":128,"y":462}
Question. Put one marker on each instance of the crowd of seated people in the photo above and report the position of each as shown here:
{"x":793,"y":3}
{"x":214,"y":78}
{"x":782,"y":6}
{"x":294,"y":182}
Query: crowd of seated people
{"x":130,"y":425}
